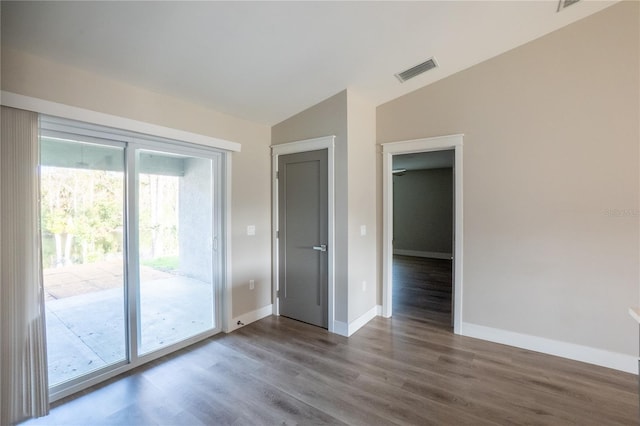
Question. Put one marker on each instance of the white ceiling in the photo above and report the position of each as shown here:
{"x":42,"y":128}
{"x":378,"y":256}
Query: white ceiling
{"x":265,"y":61}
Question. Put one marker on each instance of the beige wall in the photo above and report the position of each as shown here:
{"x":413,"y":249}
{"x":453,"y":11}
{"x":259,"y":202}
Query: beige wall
{"x":362,"y":205}
{"x":33,"y":76}
{"x":550,"y":151}
{"x":352,"y":120}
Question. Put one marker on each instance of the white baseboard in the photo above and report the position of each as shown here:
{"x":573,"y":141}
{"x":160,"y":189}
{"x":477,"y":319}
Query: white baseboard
{"x":344,"y":329}
{"x":361,"y":321}
{"x":341,"y":328}
{"x":418,"y":253}
{"x":250,"y":317}
{"x":603,"y":358}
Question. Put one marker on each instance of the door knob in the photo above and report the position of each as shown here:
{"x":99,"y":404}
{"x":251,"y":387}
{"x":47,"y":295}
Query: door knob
{"x":321,"y":247}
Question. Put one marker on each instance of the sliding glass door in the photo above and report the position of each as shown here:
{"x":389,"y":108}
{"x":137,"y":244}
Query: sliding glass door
{"x":131,"y":264}
{"x":82,"y":205}
{"x":175,"y":246}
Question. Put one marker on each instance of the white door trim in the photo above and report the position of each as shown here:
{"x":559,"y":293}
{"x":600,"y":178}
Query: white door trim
{"x":407,"y":147}
{"x":227,"y":284}
{"x":327,"y":143}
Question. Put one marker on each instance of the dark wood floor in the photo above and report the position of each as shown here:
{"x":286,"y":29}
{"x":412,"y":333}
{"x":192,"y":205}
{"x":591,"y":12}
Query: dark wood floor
{"x":406,"y":370}
{"x":422,"y":290}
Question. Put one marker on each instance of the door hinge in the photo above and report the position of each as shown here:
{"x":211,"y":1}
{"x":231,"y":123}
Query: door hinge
{"x":277,"y":234}
{"x":277,"y":293}
{"x":277,"y":174}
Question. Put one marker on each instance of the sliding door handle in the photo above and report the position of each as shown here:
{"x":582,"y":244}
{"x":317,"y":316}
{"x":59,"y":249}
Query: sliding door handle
{"x":321,"y":247}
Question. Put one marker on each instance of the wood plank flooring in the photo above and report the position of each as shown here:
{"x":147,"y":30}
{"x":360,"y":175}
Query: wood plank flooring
{"x":422,"y":289}
{"x":408,"y":370}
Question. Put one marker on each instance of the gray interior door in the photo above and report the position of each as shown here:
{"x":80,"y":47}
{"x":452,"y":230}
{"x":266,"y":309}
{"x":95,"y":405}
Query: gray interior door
{"x":302,"y":242}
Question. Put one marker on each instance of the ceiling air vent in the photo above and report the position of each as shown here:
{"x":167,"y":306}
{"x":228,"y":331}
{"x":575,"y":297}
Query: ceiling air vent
{"x":418,"y":69}
{"x":563,"y":4}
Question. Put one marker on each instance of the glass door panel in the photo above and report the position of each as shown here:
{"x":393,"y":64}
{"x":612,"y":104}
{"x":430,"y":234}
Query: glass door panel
{"x":82,"y":210}
{"x":130,"y":259}
{"x":175,"y":244}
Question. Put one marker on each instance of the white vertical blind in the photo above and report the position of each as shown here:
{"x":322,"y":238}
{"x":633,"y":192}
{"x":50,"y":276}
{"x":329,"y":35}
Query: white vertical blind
{"x":23,"y":364}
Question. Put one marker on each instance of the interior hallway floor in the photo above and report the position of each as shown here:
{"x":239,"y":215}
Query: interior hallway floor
{"x":422,"y":289}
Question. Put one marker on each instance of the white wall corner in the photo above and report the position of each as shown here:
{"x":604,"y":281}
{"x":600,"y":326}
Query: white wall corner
{"x":603,"y":358}
{"x":250,"y":317}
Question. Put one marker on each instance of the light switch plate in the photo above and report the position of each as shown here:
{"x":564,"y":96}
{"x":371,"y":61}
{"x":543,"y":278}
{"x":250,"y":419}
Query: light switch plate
{"x":251,"y":230}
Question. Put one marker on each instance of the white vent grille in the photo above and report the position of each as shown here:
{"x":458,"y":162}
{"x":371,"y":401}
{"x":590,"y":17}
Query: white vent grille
{"x":415,"y":71}
{"x":562,"y":4}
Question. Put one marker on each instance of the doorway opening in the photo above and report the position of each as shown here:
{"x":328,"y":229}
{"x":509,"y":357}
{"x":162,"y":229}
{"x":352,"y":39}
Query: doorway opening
{"x":423,"y":205}
{"x":435,"y":145}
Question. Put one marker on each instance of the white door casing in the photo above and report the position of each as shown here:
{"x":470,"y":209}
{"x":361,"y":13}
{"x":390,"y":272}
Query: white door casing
{"x":327,"y":143}
{"x":409,"y":147}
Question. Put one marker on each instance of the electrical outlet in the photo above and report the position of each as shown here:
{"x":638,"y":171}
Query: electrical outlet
{"x":252,"y":284}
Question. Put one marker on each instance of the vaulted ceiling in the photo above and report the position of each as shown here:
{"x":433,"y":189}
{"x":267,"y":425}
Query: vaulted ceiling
{"x":265,"y":61}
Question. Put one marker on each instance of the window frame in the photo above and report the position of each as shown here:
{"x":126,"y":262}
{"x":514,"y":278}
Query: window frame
{"x":132,"y":143}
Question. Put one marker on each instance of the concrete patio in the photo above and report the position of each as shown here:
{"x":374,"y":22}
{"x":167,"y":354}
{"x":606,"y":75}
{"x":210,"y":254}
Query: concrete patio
{"x":86,"y":322}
